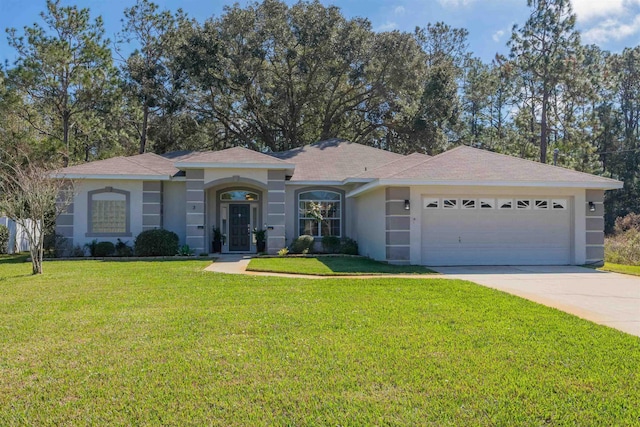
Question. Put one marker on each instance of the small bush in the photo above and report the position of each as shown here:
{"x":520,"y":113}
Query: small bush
{"x":76,"y":252}
{"x":185,"y":250}
{"x":156,"y":243}
{"x":283,"y":252}
{"x":123,"y":249}
{"x":56,"y":245}
{"x":626,"y":223}
{"x":623,"y":248}
{"x":4,"y":239}
{"x":302,"y":245}
{"x":92,"y":247}
{"x":330,"y":244}
{"x":349,"y":246}
{"x":104,"y":249}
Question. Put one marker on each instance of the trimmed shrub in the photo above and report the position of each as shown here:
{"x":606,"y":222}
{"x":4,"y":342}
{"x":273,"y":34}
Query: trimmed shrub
{"x":330,"y":244}
{"x":349,"y":246}
{"x":4,"y":239}
{"x":104,"y":249}
{"x":302,"y":245}
{"x":56,"y":245}
{"x":123,"y":249}
{"x":156,"y":243}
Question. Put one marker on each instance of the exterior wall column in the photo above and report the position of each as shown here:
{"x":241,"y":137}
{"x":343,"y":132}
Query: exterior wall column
{"x":151,"y":205}
{"x":64,"y":221}
{"x":595,"y":227}
{"x":195,"y":211}
{"x":275,"y":211}
{"x":398,"y":225}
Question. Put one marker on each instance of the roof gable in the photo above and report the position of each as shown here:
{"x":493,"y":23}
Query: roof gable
{"x":147,"y":164}
{"x":230,"y":156}
{"x":474,"y":165}
{"x":334,"y":160}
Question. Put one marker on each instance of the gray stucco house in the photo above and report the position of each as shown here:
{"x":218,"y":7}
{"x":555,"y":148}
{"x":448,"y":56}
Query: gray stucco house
{"x":462,"y":207}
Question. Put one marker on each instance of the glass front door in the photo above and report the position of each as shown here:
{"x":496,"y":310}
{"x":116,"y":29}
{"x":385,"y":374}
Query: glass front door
{"x":239,"y":227}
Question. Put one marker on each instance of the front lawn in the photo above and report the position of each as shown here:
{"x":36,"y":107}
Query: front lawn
{"x":164,"y":343}
{"x":331,"y":266}
{"x":621,"y":268}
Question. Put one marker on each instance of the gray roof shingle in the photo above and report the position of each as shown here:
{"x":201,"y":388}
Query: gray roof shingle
{"x":471,"y":164}
{"x":334,"y":160}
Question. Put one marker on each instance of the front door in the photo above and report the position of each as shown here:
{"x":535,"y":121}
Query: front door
{"x":239,"y":231}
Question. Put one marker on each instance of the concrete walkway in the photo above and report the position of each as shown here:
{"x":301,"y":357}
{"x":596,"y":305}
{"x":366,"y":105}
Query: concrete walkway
{"x":610,"y":299}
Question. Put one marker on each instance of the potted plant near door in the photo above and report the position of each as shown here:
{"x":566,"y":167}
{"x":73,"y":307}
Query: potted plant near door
{"x":260,"y":236}
{"x":217,"y":240}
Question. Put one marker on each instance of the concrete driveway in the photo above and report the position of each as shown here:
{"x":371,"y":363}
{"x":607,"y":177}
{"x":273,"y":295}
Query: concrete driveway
{"x":606,"y":298}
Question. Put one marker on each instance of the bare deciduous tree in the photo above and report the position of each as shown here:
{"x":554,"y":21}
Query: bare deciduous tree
{"x":29,"y":195}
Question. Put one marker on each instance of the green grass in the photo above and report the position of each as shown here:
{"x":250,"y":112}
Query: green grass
{"x":331,"y":266}
{"x":621,"y":268}
{"x":164,"y":343}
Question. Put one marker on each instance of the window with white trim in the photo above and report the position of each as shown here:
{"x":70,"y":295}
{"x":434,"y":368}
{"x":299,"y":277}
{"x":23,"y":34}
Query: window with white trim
{"x":541,"y":204}
{"x":450,"y":203}
{"x":431,"y":203}
{"x":320,"y":213}
{"x":487,"y":203}
{"x":108,"y":212}
{"x":240,"y":195}
{"x":468,"y":204}
{"x":559,"y":204}
{"x":523,"y":204}
{"x":505,"y":203}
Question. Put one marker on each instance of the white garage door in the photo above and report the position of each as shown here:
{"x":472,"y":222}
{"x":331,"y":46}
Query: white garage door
{"x":496,"y":231}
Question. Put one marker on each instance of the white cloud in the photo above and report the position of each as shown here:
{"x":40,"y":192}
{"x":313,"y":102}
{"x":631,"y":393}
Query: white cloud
{"x":606,"y":20}
{"x":399,"y":11}
{"x":497,"y":35}
{"x":586,"y":10}
{"x":387,"y":26}
{"x":455,"y":3}
{"x":611,"y":29}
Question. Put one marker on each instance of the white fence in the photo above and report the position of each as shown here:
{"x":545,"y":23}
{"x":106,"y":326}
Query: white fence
{"x":18,"y":241}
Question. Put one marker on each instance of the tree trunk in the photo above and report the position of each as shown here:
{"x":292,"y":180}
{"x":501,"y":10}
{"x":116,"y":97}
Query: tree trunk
{"x":543,"y":126}
{"x":65,"y":138}
{"x":143,"y":132}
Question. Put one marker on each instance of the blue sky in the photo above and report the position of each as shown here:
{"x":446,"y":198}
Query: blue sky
{"x":611,"y":24}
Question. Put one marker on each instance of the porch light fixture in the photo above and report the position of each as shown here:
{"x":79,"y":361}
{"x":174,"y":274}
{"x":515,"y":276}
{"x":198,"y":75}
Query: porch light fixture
{"x":592,"y":207}
{"x":407,"y":205}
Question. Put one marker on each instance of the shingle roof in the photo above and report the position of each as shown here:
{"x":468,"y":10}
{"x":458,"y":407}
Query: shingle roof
{"x":235,"y":155}
{"x":472,"y":164}
{"x":147,"y":164}
{"x":391,"y":168}
{"x":334,"y":160}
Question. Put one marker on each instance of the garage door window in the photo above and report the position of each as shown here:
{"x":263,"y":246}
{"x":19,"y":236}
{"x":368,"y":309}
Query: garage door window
{"x":541,"y":204}
{"x":523,"y":204}
{"x":450,"y":203}
{"x":487,"y":203}
{"x":559,"y":204}
{"x":468,"y":204}
{"x":505,"y":203}
{"x":431,"y":203}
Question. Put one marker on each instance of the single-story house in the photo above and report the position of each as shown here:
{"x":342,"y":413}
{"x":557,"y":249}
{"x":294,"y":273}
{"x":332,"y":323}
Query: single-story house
{"x":463,"y":207}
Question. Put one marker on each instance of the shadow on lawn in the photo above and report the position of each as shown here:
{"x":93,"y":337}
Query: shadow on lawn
{"x":14,"y":258}
{"x":368,"y":266}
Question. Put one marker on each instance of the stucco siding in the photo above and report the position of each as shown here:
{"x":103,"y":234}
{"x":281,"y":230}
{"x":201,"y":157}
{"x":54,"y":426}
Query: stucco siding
{"x":174,"y":208}
{"x":371,"y":225}
{"x":81,"y":203}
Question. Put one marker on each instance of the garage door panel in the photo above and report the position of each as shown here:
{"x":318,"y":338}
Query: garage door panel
{"x":495,"y":237}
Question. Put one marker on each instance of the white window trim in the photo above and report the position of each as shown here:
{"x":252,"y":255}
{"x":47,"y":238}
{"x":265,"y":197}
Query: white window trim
{"x":339,"y":218}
